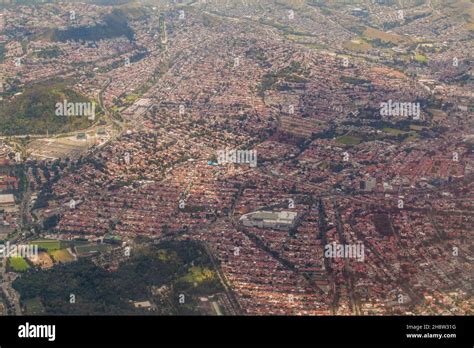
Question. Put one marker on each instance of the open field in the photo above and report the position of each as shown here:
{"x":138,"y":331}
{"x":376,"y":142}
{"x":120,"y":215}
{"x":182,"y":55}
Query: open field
{"x":357,"y":45}
{"x":373,"y":34}
{"x":299,"y":126}
{"x":83,"y":250}
{"x":18,"y":264}
{"x":198,"y":275}
{"x":62,"y":256}
{"x":47,"y":244}
{"x":417,"y":128}
{"x":410,"y":138}
{"x":43,"y":260}
{"x":58,"y":147}
{"x":420,"y":58}
{"x":348,"y":140}
{"x":393,"y":131}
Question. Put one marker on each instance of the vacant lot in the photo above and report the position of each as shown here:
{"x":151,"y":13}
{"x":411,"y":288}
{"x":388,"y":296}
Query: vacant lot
{"x":372,"y":33}
{"x":52,"y":148}
{"x":43,"y":260}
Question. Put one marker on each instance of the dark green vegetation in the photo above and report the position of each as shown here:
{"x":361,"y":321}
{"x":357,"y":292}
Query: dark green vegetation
{"x":2,"y":52}
{"x":292,"y":73}
{"x":33,"y":112}
{"x":115,"y":25}
{"x":46,"y":53}
{"x":173,"y":267}
{"x":353,"y":80}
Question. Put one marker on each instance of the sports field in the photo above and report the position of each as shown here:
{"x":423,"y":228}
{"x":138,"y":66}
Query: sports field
{"x":62,"y":256}
{"x":47,"y":244}
{"x":348,"y":140}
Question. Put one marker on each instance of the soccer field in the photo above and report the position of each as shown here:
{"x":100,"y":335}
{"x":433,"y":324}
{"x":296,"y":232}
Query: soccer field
{"x":48,"y":244}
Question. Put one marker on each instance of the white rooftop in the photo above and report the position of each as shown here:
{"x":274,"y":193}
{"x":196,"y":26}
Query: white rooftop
{"x":7,"y":199}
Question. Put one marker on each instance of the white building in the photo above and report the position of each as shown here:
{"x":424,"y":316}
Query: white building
{"x":7,"y":200}
{"x":282,"y":220}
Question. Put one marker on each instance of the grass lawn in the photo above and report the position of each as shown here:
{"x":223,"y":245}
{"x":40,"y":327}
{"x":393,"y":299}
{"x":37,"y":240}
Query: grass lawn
{"x":198,"y":275}
{"x":348,"y":140}
{"x":47,"y":244}
{"x":421,"y":58}
{"x":393,"y":131}
{"x":62,"y":255}
{"x":417,"y":128}
{"x":18,"y":264}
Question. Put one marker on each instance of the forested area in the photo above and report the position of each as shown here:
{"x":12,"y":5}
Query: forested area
{"x":98,"y":292}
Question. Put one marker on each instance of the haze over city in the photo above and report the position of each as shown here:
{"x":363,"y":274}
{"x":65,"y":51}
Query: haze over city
{"x":253,"y":157}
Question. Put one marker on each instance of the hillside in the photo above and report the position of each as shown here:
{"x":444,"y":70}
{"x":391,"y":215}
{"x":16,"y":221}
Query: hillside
{"x":115,"y":25}
{"x":33,"y":111}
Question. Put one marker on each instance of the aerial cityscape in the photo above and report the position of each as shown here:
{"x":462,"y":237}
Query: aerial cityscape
{"x":237,"y":157}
